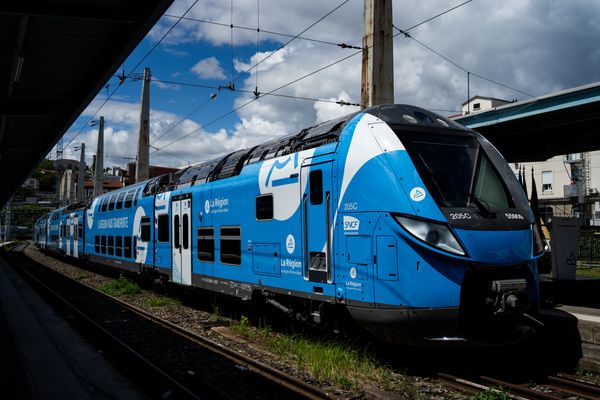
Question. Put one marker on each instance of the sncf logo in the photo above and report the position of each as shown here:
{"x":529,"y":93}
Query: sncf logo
{"x":351,"y":223}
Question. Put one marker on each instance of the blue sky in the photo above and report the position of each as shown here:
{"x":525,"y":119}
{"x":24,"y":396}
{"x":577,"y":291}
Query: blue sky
{"x":534,"y":46}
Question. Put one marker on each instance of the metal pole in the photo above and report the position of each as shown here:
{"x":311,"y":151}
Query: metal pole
{"x":143,"y":151}
{"x":99,"y":171}
{"x":378,"y":54}
{"x":81,"y":178}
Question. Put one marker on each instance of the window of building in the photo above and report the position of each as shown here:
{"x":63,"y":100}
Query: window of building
{"x":163,"y":228}
{"x":264,"y":207}
{"x":231,"y":245}
{"x":476,"y":106}
{"x":127,"y":246}
{"x":546,"y":182}
{"x":206,"y":244}
{"x":145,"y":225}
{"x":316,"y":186}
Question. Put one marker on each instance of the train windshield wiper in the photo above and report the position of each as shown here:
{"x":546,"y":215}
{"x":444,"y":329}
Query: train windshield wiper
{"x":484,"y":209}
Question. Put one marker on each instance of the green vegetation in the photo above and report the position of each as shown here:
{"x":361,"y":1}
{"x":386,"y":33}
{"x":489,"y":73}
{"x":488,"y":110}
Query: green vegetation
{"x":161,"y":301}
{"x":492,"y":394}
{"x":588,"y":272}
{"x":583,"y":373}
{"x":341,"y":363}
{"x":216,"y":313}
{"x":120,"y":287}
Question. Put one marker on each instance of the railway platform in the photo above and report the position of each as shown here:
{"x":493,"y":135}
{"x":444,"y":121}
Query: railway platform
{"x":42,"y":356}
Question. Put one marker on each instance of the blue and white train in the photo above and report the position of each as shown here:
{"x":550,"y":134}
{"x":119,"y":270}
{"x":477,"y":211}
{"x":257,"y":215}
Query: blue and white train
{"x":402,"y":219}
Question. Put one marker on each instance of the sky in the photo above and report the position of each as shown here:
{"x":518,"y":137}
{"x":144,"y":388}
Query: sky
{"x":528,"y":48}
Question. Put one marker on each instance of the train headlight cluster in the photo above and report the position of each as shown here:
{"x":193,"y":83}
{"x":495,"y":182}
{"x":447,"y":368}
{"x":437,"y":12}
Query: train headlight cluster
{"x":434,"y":234}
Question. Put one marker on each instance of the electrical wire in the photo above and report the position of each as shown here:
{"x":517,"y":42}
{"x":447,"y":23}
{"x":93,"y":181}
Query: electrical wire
{"x":132,"y":70}
{"x":409,"y":36}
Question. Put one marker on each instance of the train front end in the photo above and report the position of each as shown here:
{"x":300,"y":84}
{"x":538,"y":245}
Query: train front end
{"x":452,"y":236}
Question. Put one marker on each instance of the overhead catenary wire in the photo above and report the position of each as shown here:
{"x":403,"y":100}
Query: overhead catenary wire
{"x":298,"y":79}
{"x":409,"y":36}
{"x":133,"y":70}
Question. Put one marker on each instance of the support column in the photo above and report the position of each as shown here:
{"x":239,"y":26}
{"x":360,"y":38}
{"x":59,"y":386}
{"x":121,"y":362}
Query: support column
{"x":142,"y":168}
{"x":99,"y":170}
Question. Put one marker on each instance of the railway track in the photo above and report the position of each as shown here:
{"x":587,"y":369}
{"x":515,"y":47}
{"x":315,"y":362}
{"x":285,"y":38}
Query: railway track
{"x":556,"y":387}
{"x":163,"y":359}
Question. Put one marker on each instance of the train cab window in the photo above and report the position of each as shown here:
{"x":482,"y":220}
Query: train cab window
{"x":129,"y":199}
{"x":120,"y":201}
{"x":231,"y":245}
{"x":186,"y":234}
{"x":145,"y":225}
{"x":163,"y":228}
{"x":111,"y":202}
{"x":264,"y":207}
{"x":127,"y":246}
{"x":118,"y":246}
{"x":97,"y":244}
{"x":103,"y":244}
{"x":111,"y":245}
{"x":206,"y":244}
{"x":316,"y":186}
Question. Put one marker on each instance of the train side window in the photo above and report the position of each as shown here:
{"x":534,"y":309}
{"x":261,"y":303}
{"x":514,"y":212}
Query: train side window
{"x":111,"y":202}
{"x":127,"y":246}
{"x":264,"y":207}
{"x":137,"y":195}
{"x":145,"y":224}
{"x":163,"y":228}
{"x":177,"y":244}
{"x":120,"y":200}
{"x":231,"y":245}
{"x":104,"y":204}
{"x":129,"y":198}
{"x":118,"y":246}
{"x":316,"y":186}
{"x":103,"y":244}
{"x":186,"y":234}
{"x":111,"y":245}
{"x":97,"y":244}
{"x":206,"y":244}
{"x":80,"y":229}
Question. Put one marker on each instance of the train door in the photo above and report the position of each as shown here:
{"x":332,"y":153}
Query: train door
{"x":316,"y":222}
{"x":181,"y":221}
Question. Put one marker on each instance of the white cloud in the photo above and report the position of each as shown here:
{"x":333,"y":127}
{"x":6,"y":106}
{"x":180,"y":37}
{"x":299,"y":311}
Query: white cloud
{"x":208,"y":68}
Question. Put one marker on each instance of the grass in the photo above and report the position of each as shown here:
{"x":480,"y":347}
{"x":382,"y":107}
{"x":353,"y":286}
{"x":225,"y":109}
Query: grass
{"x":588,"y":272}
{"x":161,"y":301}
{"x":492,"y":394}
{"x":120,"y":287}
{"x":340,"y":363}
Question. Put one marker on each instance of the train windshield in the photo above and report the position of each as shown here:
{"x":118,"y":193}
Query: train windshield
{"x":456,"y":170}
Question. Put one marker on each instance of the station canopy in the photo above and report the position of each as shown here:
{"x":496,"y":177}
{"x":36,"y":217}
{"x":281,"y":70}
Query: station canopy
{"x":565,"y":122}
{"x":55,"y":56}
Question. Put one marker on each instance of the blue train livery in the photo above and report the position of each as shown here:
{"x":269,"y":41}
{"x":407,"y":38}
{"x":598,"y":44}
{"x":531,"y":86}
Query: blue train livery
{"x":401,"y":219}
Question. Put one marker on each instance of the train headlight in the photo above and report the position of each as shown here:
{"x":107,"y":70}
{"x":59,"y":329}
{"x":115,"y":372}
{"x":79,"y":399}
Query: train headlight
{"x":538,"y":243}
{"x":434,"y":234}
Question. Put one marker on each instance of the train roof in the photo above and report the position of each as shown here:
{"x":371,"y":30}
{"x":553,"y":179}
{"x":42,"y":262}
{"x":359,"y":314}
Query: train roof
{"x":410,"y":117}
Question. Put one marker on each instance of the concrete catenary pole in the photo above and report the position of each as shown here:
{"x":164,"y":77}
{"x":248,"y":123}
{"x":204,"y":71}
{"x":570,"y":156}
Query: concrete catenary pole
{"x":377,"y":85}
{"x":99,"y":170}
{"x":142,"y":168}
{"x":81,"y":177}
